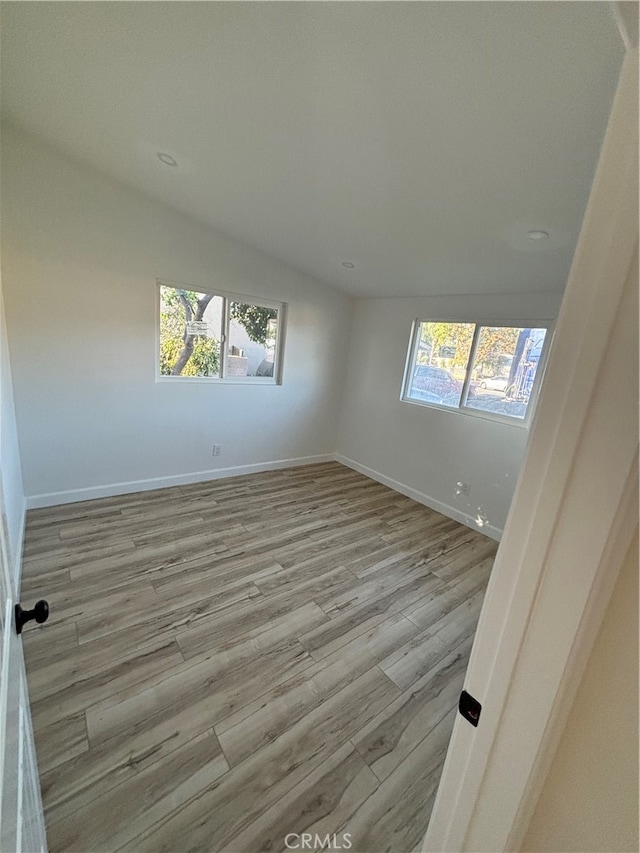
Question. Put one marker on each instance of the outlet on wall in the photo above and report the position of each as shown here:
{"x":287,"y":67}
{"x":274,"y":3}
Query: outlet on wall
{"x":462,"y":488}
{"x":216,"y":450}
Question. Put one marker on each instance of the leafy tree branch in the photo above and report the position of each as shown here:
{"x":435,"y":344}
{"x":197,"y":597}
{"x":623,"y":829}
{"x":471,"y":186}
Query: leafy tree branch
{"x":255,"y":320}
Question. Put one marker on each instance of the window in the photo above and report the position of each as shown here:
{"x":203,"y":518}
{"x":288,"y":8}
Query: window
{"x":218,"y":336}
{"x":490,"y":370}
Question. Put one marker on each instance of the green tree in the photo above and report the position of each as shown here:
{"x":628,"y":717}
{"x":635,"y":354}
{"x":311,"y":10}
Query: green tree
{"x":493,"y":344}
{"x":454,"y":336}
{"x":254,"y":319}
{"x":181,"y":353}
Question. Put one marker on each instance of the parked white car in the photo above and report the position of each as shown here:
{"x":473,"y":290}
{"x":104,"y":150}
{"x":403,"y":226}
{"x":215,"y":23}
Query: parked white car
{"x":495,"y":383}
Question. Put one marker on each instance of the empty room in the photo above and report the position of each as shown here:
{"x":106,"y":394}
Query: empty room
{"x":318,"y":330}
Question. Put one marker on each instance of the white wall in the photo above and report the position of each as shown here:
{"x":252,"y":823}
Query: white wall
{"x":589,"y":801}
{"x":425,"y":451}
{"x":81,"y":255}
{"x":80,"y":259}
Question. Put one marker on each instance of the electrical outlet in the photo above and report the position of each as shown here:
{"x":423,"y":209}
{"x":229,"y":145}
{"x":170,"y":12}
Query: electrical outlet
{"x":216,"y":450}
{"x":462,"y":488}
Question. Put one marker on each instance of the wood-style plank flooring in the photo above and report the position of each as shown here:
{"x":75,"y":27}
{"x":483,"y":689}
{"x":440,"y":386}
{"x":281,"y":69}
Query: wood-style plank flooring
{"x":232,"y":661}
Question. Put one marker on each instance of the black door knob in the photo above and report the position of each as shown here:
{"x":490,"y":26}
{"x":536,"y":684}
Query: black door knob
{"x":40,"y":613}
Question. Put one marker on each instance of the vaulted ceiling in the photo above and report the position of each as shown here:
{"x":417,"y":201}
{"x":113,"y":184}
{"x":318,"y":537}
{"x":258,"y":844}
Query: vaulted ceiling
{"x":420,"y":142}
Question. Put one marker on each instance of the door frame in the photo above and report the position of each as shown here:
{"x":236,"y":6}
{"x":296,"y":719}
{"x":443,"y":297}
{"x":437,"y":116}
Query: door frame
{"x":564,"y":538}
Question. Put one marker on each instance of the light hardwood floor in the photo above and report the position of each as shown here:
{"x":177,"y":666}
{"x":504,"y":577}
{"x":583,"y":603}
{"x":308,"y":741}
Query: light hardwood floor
{"x":229,"y":662}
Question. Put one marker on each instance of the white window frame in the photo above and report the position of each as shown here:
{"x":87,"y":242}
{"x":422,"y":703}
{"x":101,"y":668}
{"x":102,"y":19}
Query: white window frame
{"x":228,"y":297}
{"x":462,"y":408}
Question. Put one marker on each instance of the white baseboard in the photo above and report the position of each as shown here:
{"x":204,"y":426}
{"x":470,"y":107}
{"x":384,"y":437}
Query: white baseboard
{"x":420,"y":497}
{"x":107,"y":491}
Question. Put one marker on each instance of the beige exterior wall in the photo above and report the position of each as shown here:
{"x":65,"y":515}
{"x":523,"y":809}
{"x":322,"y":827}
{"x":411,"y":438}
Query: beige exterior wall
{"x":589,"y":801}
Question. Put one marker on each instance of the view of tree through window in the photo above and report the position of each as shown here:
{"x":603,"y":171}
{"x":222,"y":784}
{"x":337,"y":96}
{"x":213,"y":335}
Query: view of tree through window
{"x":193,"y":326}
{"x":189,"y":341}
{"x":441,"y":359}
{"x":497,"y":363}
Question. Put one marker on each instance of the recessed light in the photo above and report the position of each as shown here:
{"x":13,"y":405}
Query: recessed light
{"x":167,"y":159}
{"x":537,"y":235}
{"x":348,"y":265}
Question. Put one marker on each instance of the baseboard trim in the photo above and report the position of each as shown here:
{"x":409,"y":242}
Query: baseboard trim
{"x":125,"y":488}
{"x":420,"y":497}
{"x":107,"y":491}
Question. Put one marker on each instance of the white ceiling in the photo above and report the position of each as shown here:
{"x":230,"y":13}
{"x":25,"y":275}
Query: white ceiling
{"x":420,"y":141}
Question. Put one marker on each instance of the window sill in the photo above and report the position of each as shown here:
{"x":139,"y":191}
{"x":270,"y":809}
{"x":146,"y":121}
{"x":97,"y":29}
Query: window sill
{"x":214,"y":380}
{"x":520,"y":423}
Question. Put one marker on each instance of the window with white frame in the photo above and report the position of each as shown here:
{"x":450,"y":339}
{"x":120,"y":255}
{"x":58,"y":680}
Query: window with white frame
{"x":218,"y":336}
{"x":490,"y":370}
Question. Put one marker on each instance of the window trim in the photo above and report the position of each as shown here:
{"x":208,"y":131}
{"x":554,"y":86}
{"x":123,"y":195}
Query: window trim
{"x":462,"y":408}
{"x":227,"y":296}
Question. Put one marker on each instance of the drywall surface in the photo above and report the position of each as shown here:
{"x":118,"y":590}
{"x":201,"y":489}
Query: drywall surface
{"x":81,"y":256}
{"x":10,"y":469}
{"x":589,"y":801}
{"x":426,"y":451}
